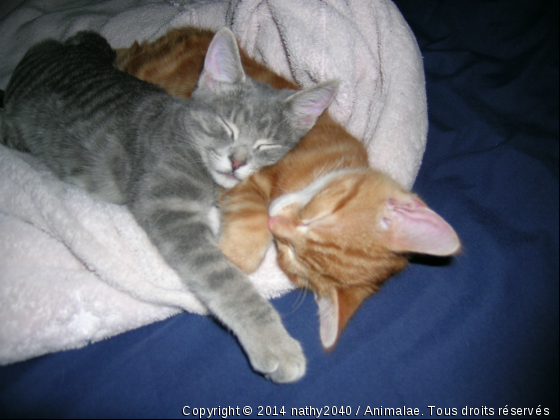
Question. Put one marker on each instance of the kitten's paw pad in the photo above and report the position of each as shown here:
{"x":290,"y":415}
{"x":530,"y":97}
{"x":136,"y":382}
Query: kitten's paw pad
{"x":282,"y":362}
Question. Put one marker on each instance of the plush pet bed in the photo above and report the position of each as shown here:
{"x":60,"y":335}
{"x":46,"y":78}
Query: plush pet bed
{"x":93,"y":273}
{"x":479,"y":331}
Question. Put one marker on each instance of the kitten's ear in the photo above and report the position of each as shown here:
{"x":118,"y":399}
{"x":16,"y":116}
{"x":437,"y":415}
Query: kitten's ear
{"x":308,"y":104}
{"x":336,"y":307}
{"x":413,"y":227}
{"x":222,"y":63}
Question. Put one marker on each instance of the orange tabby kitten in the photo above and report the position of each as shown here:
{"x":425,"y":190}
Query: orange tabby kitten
{"x":341,"y":228}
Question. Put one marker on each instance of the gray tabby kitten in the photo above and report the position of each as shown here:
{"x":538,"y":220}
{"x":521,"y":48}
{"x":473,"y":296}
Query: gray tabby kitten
{"x":129,"y":142}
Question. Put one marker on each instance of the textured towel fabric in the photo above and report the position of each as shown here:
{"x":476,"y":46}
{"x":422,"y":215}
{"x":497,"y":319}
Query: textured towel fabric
{"x":74,"y":270}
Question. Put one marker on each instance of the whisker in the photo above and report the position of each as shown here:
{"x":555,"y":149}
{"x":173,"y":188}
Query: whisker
{"x":302,"y":292}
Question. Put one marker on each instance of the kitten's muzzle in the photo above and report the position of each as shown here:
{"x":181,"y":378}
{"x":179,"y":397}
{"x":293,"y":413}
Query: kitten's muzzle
{"x":230,"y":175}
{"x":236,"y":164}
{"x":280,"y":226}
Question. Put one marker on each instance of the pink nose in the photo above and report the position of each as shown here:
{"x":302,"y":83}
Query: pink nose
{"x":235,"y":164}
{"x":279,"y":224}
{"x":272,"y":221}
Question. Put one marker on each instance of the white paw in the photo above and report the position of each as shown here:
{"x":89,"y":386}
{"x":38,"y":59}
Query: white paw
{"x":277,"y":356}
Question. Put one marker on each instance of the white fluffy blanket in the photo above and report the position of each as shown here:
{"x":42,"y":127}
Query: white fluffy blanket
{"x":74,"y":270}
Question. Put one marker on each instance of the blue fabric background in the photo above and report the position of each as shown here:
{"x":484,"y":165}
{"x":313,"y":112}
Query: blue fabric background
{"x":479,"y":330}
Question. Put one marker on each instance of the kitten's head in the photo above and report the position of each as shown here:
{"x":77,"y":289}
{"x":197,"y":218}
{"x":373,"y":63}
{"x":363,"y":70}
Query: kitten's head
{"x":346,"y":233}
{"x":257,"y":124}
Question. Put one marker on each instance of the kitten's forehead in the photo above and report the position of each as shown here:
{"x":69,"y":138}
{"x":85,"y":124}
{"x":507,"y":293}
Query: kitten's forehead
{"x":303,"y":197}
{"x":254,"y":105}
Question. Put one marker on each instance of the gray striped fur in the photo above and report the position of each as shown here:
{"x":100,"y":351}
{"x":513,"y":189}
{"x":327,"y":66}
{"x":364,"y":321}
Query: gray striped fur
{"x":127,"y":141}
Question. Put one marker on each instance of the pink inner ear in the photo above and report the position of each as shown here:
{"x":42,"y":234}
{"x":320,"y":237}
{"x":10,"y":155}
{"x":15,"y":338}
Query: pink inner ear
{"x":222,"y":63}
{"x":416,"y":228}
{"x":328,"y":318}
{"x":206,"y":81}
{"x":310,"y":103}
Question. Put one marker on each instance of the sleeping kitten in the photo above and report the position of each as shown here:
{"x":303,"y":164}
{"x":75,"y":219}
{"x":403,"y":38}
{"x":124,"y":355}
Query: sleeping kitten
{"x":341,"y":228}
{"x":129,"y":142}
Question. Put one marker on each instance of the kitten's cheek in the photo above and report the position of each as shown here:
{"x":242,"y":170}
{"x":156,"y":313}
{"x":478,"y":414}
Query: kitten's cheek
{"x":287,"y":261}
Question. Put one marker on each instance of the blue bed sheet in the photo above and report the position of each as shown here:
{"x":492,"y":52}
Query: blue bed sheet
{"x":476,"y":332}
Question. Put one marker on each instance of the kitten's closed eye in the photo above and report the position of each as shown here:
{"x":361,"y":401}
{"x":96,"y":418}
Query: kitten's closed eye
{"x":232,"y":130}
{"x":264,"y":145}
{"x":269,"y":153}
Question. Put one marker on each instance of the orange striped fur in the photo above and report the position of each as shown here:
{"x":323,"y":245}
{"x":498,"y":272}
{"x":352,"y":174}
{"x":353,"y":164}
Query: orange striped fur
{"x":342,"y":244}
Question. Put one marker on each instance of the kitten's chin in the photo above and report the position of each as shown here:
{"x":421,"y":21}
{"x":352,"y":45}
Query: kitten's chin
{"x":225,"y":180}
